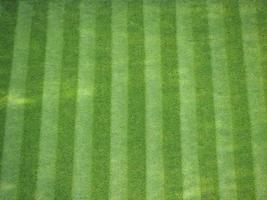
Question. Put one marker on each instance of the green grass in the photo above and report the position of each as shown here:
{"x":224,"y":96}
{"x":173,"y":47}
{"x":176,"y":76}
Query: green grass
{"x":8,"y":15}
{"x":204,"y":102}
{"x":170,"y":102}
{"x":32,"y":111}
{"x":239,"y":101}
{"x":133,"y":99}
{"x":67,"y":101}
{"x":136,"y":165}
{"x":102,"y":102}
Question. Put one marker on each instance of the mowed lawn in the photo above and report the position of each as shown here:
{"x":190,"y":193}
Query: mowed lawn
{"x":133,"y":99}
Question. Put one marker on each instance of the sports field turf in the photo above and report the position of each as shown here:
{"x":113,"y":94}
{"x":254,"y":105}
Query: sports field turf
{"x":133,"y":99}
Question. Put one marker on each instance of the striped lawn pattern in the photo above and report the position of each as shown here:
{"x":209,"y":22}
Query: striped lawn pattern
{"x":133,"y":99}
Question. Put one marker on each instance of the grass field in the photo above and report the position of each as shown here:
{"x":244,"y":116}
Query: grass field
{"x":133,"y":99}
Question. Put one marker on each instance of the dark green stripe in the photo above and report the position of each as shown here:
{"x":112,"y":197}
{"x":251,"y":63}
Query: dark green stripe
{"x":261,"y":6}
{"x":102,"y":102}
{"x":136,"y":102}
{"x":67,"y":107}
{"x":205,"y":104}
{"x":262,"y":28}
{"x":8,"y":15}
{"x":239,"y":101}
{"x":171,"y":103}
{"x":33,"y":103}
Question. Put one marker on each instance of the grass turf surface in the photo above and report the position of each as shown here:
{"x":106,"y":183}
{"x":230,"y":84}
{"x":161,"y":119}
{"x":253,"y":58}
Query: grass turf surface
{"x":133,"y":99}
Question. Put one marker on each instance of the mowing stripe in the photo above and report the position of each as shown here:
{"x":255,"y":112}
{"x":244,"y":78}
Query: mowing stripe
{"x":255,"y":84}
{"x":48,"y":134}
{"x":222,"y":104}
{"x":154,"y":139}
{"x":261,"y":6}
{"x":32,"y":110}
{"x":189,"y":145}
{"x":239,"y":101}
{"x":205,"y":106}
{"x":136,"y":103}
{"x":102,"y":102}
{"x":170,"y":101}
{"x":67,"y":102}
{"x":83,"y":129}
{"x":8,"y":15}
{"x":118,"y":185}
{"x":15,"y":105}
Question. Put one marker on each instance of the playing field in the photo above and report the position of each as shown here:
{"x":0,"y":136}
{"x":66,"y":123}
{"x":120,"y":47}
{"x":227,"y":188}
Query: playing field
{"x":133,"y":99}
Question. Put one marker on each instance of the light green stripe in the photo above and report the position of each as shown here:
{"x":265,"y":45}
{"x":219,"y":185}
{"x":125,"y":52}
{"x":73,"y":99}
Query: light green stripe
{"x":15,"y":105}
{"x":224,"y":132}
{"x":190,"y":170}
{"x":257,"y":106}
{"x":154,"y":161}
{"x":119,"y":113}
{"x":83,"y":128}
{"x":48,"y":135}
